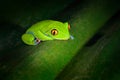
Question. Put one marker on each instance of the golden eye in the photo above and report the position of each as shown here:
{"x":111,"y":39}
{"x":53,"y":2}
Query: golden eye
{"x":54,"y":32}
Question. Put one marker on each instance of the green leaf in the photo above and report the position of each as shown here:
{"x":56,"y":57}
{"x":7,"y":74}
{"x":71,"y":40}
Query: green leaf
{"x":46,"y":60}
{"x":99,"y":59}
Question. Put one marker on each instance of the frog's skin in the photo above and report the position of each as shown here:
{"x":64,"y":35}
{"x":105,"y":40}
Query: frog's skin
{"x":46,"y":30}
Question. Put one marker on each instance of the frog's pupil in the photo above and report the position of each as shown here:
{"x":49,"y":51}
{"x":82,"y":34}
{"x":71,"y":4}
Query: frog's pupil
{"x":54,"y":32}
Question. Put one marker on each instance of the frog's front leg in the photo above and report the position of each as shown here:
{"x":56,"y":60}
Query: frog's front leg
{"x":42,"y":36}
{"x":30,"y":38}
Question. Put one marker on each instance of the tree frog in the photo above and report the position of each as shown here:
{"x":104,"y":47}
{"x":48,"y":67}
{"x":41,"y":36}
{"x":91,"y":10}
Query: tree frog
{"x":46,"y":30}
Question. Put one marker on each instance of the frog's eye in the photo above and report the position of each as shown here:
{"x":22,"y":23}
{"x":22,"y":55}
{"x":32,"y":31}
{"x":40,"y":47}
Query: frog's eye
{"x":68,"y":26}
{"x":54,"y":32}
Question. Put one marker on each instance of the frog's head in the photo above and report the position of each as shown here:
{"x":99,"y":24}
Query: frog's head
{"x":58,"y":30}
{"x":30,"y":39}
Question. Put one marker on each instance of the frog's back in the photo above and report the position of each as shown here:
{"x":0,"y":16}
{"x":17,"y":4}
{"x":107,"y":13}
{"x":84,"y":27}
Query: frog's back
{"x":40,"y":25}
